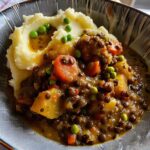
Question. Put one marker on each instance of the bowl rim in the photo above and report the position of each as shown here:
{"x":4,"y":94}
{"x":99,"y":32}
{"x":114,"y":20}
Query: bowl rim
{"x":109,"y":1}
{"x":4,"y":143}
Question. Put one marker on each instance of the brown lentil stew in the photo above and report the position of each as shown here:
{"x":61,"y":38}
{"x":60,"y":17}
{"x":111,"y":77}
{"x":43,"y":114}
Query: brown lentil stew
{"x":100,"y":95}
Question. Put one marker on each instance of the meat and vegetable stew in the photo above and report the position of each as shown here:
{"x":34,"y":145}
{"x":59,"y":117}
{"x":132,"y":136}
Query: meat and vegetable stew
{"x":88,"y":96}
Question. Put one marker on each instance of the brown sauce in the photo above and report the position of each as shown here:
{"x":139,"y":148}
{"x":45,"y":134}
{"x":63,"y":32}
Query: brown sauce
{"x":43,"y":128}
{"x":136,"y":62}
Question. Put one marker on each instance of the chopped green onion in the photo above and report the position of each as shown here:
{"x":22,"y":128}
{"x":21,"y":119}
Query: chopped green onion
{"x":52,"y":82}
{"x":42,"y":29}
{"x":124,"y":116}
{"x":77,"y":54}
{"x":94,"y":90}
{"x":69,"y":37}
{"x":75,"y":129}
{"x":66,"y":21}
{"x":68,"y":28}
{"x":64,"y":39}
{"x":33,"y":34}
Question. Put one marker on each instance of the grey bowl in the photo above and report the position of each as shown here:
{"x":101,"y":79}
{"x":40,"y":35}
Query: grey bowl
{"x":131,"y":26}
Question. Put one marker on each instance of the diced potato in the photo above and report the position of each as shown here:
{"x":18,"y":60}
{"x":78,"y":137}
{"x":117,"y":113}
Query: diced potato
{"x":56,"y":48}
{"x":108,"y":36}
{"x":48,"y":106}
{"x":111,"y":105}
{"x":123,"y":68}
{"x":122,"y":84}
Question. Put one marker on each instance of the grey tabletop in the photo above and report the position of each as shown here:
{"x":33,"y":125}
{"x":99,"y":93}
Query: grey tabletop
{"x":143,"y":5}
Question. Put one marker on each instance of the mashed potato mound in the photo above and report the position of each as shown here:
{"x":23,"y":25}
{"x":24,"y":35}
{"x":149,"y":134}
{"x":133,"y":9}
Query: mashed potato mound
{"x":18,"y":75}
{"x":22,"y":59}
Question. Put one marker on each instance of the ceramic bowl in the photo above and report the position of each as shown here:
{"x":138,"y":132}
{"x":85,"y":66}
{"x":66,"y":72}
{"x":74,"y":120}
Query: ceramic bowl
{"x":131,"y":26}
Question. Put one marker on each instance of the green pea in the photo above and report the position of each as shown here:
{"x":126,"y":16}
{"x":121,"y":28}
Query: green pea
{"x":66,"y":21}
{"x":113,"y":75}
{"x":69,"y":37}
{"x":110,"y":69}
{"x":33,"y":34}
{"x":94,"y":90}
{"x":120,"y":58}
{"x":124,"y":116}
{"x":64,"y":39}
{"x":42,"y":30}
{"x":77,"y":54}
{"x":52,"y":82}
{"x":48,"y":26}
{"x":75,"y":129}
{"x":68,"y":28}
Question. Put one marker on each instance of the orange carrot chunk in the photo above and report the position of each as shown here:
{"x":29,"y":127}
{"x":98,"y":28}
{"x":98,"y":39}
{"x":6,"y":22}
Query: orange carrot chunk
{"x":115,"y":48}
{"x":71,"y":139}
{"x":65,"y":68}
{"x":93,"y":68}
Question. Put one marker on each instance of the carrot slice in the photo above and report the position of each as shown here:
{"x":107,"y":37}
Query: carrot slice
{"x":93,"y":68}
{"x":71,"y":139}
{"x":65,"y":68}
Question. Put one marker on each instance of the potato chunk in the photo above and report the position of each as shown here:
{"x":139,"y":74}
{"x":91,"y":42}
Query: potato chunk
{"x":122,"y":84}
{"x":123,"y":68}
{"x":48,"y":104}
{"x":57,"y":48}
{"x":111,"y":105}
